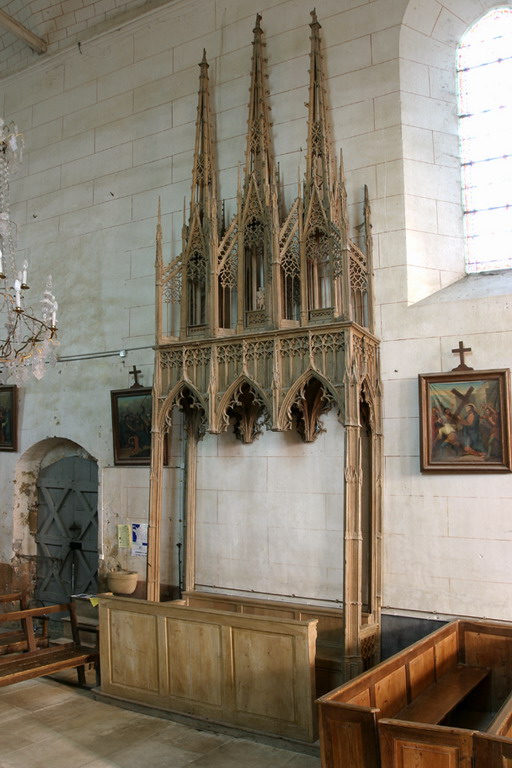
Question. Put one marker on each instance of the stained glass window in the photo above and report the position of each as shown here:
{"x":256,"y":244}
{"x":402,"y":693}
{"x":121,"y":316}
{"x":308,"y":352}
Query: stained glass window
{"x":485,"y":125}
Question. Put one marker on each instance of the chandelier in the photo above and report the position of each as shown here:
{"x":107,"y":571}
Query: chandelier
{"x":27,"y":338}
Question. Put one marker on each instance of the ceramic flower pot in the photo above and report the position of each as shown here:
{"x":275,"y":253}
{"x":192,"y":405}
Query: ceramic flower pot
{"x":122,"y":582}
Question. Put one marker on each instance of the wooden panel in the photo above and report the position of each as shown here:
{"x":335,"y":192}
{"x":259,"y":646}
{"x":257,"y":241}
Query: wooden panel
{"x":137,"y":666}
{"x":261,"y":610}
{"x":446,"y":651}
{"x":491,"y":752}
{"x":416,"y":746}
{"x":205,"y":601}
{"x":494,"y":651}
{"x":250,"y":671}
{"x":264,"y":661}
{"x":202,"y":678}
{"x":348,"y":737}
{"x":391,"y":692}
{"x":501,"y":725}
{"x":361,"y":699}
{"x":422,"y":672}
{"x":329,"y":629}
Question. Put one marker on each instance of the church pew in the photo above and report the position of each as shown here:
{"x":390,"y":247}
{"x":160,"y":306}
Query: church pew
{"x":491,"y":751}
{"x":249,"y":671}
{"x":426,"y":702}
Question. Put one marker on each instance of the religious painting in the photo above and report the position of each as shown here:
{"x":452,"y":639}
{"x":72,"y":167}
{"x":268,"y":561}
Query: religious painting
{"x":465,"y":421}
{"x":131,"y":426}
{"x":9,"y":418}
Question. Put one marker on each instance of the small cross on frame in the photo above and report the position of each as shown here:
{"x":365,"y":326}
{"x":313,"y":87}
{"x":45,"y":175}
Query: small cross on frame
{"x":135,"y":373}
{"x":460,"y":351}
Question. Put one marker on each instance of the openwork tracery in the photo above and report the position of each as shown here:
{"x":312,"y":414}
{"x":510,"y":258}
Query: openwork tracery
{"x":274,"y":319}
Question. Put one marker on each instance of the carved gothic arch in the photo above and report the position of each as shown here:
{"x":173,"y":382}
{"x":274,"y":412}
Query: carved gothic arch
{"x":368,"y":395}
{"x":307,"y":400}
{"x":248,"y":406}
{"x":185,"y":397}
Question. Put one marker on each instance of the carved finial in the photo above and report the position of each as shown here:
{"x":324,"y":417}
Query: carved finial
{"x":258,"y":153}
{"x":320,"y":165}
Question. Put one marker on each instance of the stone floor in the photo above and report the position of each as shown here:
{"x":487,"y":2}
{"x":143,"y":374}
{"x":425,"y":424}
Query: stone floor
{"x":51,"y":724}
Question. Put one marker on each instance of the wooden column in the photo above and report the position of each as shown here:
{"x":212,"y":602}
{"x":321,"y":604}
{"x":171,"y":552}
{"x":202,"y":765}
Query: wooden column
{"x":155,"y":489}
{"x":155,"y":514}
{"x":353,"y":533}
{"x":377,"y":482}
{"x":192,"y":432}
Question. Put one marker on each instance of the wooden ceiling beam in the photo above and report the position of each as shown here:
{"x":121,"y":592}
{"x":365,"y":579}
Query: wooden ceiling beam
{"x":36,"y":43}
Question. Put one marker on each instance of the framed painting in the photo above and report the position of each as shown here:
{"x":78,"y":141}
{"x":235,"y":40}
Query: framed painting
{"x":131,"y":425}
{"x":9,"y":418}
{"x":465,"y":421}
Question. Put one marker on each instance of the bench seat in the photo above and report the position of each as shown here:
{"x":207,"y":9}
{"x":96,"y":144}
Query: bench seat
{"x":437,"y":701}
{"x":46,"y":661}
{"x":30,"y":661}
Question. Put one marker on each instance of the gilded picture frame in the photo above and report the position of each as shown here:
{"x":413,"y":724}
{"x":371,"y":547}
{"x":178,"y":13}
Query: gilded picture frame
{"x":131,"y":426}
{"x":465,"y":421}
{"x":9,"y":418}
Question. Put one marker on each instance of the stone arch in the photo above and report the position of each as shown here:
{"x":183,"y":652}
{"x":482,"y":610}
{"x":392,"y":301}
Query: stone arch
{"x":247,"y":405}
{"x":311,"y":396}
{"x":25,"y":501}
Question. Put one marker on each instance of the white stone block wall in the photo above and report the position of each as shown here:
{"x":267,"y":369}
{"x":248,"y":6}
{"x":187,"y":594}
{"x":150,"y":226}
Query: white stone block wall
{"x":270,"y":514}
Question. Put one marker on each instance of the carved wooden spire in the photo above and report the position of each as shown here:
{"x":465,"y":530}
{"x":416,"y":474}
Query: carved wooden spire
{"x":200,"y":236}
{"x":322,"y":247}
{"x":320,"y":171}
{"x":258,"y":156}
{"x":258,"y":217}
{"x":204,"y":184}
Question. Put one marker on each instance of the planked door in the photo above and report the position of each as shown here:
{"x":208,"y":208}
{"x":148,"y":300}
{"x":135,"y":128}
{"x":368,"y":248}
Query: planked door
{"x":67,"y":530}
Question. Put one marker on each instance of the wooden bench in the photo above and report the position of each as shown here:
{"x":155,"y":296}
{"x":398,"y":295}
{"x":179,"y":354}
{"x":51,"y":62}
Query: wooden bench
{"x":446,"y":700}
{"x":33,"y":661}
{"x":13,"y":640}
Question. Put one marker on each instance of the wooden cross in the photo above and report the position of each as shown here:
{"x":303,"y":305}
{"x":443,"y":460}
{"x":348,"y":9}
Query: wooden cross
{"x":463,"y":399}
{"x":135,"y":373}
{"x":460,"y":351}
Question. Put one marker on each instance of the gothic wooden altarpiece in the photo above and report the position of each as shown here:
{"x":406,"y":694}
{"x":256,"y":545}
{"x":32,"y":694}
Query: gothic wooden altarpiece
{"x":275,"y":330}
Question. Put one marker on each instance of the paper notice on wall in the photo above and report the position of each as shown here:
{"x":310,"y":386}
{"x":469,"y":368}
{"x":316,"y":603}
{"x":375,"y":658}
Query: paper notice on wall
{"x":124,"y":536}
{"x":139,"y":540}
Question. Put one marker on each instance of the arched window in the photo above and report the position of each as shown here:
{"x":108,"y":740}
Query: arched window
{"x":485,"y":125}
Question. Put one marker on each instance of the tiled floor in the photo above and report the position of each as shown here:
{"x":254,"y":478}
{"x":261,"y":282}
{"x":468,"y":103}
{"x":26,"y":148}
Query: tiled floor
{"x":46,"y":723}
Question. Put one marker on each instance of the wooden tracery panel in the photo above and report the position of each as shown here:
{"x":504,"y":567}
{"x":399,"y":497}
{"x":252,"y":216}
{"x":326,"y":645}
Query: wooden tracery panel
{"x":276,"y":321}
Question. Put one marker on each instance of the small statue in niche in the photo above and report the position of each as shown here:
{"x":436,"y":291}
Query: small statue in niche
{"x":260,"y":298}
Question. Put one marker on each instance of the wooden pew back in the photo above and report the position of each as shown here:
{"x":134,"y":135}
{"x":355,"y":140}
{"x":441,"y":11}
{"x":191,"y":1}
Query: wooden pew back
{"x":394,"y":683}
{"x":330,"y":620}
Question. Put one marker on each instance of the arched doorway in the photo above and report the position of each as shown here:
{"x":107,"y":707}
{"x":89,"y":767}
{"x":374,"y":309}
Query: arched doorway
{"x":67,"y":529}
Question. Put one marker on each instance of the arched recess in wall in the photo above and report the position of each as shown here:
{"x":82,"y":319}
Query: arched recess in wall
{"x":433,"y":236}
{"x":32,"y":465}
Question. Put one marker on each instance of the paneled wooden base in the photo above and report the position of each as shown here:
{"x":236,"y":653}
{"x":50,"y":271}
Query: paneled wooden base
{"x":252,"y":672}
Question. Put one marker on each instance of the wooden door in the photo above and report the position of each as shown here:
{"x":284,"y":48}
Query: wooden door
{"x":67,"y":530}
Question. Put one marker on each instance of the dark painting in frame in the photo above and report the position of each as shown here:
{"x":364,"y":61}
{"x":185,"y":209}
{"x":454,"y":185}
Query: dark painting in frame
{"x":465,"y":421}
{"x":131,"y":426}
{"x":9,"y":418}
